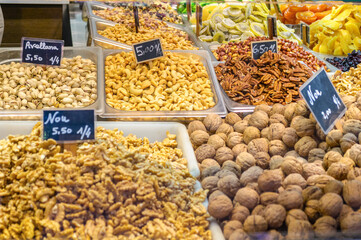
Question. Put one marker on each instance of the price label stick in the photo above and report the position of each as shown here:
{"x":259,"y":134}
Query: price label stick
{"x":272,"y":26}
{"x":136,"y":17}
{"x":189,"y":9}
{"x":42,"y":51}
{"x":148,"y":50}
{"x":258,"y":48}
{"x":198,"y":19}
{"x":305,"y":33}
{"x":323,"y":100}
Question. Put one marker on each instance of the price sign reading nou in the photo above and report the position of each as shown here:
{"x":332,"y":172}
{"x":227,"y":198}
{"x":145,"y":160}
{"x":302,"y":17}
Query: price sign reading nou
{"x":259,"y":48}
{"x":42,"y":51}
{"x":323,"y":100}
{"x":68,"y":125}
{"x":148,"y":50}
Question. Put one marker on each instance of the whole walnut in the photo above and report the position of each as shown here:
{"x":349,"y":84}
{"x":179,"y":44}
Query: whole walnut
{"x":319,"y":180}
{"x":204,"y":151}
{"x":240,"y":126}
{"x":264,"y":132}
{"x":247,"y":117}
{"x":245,"y":160}
{"x":352,"y":126}
{"x":198,"y":137}
{"x":262,"y":159}
{"x":251,"y":133}
{"x":325,"y":227}
{"x":215,"y":194}
{"x":303,"y":126}
{"x":258,"y":210}
{"x":223,"y":136}
{"x":353,"y":112}
{"x":210,"y":183}
{"x":233,"y":167}
{"x":259,"y":120}
{"x":302,"y":109}
{"x":240,"y":213}
{"x":331,"y":157}
{"x":290,"y":137}
{"x":295,"y":214}
{"x":254,"y":224}
{"x":254,"y":186}
{"x":337,"y":149}
{"x":207,"y":163}
{"x":229,"y":185}
{"x":233,"y":139}
{"x":305,"y":145}
{"x":324,"y":146}
{"x":263,"y":107}
{"x":290,"y":111}
{"x":251,"y":175}
{"x":316,"y":154}
{"x":210,"y":171}
{"x":196,"y":125}
{"x":231,"y":118}
{"x":354,"y":173}
{"x":275,"y":162}
{"x":220,"y":207}
{"x":268,"y":198}
{"x":300,"y":229}
{"x":247,"y":197}
{"x":311,"y":210}
{"x":294,"y":179}
{"x":230,"y":227}
{"x":346,"y":209}
{"x":225,"y":172}
{"x":277,"y":108}
{"x":338,"y":171}
{"x":333,"y":138}
{"x":212,"y":122}
{"x":223,"y":154}
{"x":319,"y":133}
{"x":275,"y":215}
{"x":278,"y":118}
{"x":275,"y":131}
{"x":239,"y":234}
{"x":258,"y":145}
{"x":348,"y":100}
{"x":352,"y":193}
{"x":291,"y":165}
{"x":216,"y":141}
{"x":333,"y":186}
{"x":225,"y":128}
{"x":347,"y":141}
{"x":239,"y":148}
{"x":310,"y":169}
{"x":355,"y":154}
{"x":277,"y":147}
{"x":330,"y":204}
{"x":351,"y":225}
{"x":290,"y":199}
{"x":270,"y":180}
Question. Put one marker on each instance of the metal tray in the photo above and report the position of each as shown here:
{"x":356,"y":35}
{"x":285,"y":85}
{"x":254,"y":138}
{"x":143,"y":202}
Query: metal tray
{"x":219,"y":108}
{"x":97,"y":24}
{"x":8,"y":55}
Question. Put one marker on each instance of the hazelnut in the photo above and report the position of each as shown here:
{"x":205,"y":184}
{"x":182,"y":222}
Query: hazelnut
{"x":198,"y":137}
{"x":311,"y":210}
{"x":254,"y":224}
{"x":333,"y":138}
{"x":229,"y":185}
{"x":300,"y":229}
{"x":278,"y":118}
{"x":245,"y":160}
{"x":251,"y":175}
{"x":239,"y":148}
{"x":295,"y":214}
{"x":294,"y":179}
{"x":196,"y":125}
{"x":204,"y":151}
{"x":275,"y":215}
{"x":240,"y":213}
{"x":351,"y":225}
{"x":330,"y":204}
{"x":275,"y":162}
{"x":247,"y":197}
{"x":305,"y":145}
{"x":207,"y":163}
{"x":268,"y":198}
{"x":290,"y":137}
{"x":233,"y":139}
{"x":258,"y":145}
{"x":352,"y":193}
{"x":290,"y":199}
{"x":223,"y":154}
{"x":232,"y":118}
{"x":262,"y":159}
{"x":210,"y":183}
{"x":220,"y":207}
{"x":270,"y":180}
{"x":277,"y":147}
{"x":240,"y":126}
{"x":251,"y":133}
{"x":216,"y":141}
{"x":225,"y":128}
{"x":259,"y":120}
{"x":275,"y":131}
{"x":230,"y":227}
{"x":212,"y":122}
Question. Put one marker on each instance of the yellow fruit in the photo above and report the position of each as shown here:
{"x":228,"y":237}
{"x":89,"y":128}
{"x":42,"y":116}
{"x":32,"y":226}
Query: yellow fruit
{"x":323,"y":47}
{"x":352,"y":28}
{"x":331,"y":42}
{"x":343,"y":15}
{"x":337,"y":51}
{"x":357,"y":42}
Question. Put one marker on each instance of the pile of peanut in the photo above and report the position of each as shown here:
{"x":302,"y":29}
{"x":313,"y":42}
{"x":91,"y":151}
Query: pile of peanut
{"x":115,"y":188}
{"x":275,"y":174}
{"x":27,"y":86}
{"x":175,"y":82}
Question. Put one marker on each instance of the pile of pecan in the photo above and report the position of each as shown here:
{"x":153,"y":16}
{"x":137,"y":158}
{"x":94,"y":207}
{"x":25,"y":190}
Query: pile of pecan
{"x":274,"y":78}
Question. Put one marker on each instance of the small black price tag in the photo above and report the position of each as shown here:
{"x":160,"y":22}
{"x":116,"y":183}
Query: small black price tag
{"x":323,"y":100}
{"x":148,"y":50}
{"x":42,"y":51}
{"x":261,"y":47}
{"x":69,"y":125}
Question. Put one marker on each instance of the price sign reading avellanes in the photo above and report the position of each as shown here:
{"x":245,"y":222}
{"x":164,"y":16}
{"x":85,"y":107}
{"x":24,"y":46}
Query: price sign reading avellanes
{"x":323,"y":100}
{"x":42,"y":51}
{"x":261,"y":47}
{"x":149,"y":50}
{"x":68,"y":125}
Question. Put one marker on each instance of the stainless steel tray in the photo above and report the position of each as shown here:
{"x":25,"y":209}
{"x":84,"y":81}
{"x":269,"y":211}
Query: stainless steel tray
{"x":219,"y":108}
{"x":96,"y":24}
{"x":95,"y":54}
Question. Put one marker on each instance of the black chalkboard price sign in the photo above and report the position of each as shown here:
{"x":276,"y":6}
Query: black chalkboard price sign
{"x":148,"y":50}
{"x":323,"y":100}
{"x":68,"y":125}
{"x":42,"y":51}
{"x":261,"y":47}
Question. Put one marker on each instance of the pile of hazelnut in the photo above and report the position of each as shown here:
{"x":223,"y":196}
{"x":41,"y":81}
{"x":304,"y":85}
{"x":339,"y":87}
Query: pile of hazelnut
{"x":274,"y":174}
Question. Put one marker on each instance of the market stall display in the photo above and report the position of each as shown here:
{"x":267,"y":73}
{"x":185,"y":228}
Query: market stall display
{"x":294,"y":13}
{"x":274,"y":173}
{"x":348,"y":83}
{"x":352,"y":60}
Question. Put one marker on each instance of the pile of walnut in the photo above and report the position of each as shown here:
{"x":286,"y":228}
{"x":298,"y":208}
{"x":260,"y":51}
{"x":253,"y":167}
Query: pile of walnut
{"x":275,"y":170}
{"x":115,"y":188}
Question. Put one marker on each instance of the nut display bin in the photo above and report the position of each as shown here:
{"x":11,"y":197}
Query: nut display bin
{"x":219,"y":108}
{"x":8,"y":55}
